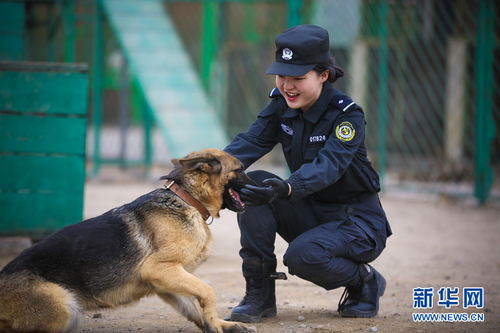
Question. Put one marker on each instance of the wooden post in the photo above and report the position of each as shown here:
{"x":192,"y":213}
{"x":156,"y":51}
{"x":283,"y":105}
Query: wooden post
{"x":359,"y":72}
{"x":455,"y":98}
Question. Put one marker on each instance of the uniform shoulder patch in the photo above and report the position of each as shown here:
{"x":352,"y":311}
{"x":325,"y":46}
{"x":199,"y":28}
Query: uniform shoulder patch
{"x":274,"y":93}
{"x":345,"y":131}
{"x":343,"y":102}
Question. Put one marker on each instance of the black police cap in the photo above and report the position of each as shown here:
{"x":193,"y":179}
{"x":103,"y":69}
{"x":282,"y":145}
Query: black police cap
{"x":299,"y":49}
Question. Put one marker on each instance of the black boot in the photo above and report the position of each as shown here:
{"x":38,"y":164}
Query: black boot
{"x":259,"y":300}
{"x":362,"y":299}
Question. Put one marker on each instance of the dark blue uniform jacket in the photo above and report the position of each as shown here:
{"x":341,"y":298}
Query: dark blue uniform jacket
{"x":324,"y":147}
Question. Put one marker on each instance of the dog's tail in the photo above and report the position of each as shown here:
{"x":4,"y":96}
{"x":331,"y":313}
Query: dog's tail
{"x":30,"y":303}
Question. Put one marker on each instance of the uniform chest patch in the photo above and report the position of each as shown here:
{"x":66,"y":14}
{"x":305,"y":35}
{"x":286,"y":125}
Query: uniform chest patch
{"x":345,"y":131}
{"x":287,"y":129}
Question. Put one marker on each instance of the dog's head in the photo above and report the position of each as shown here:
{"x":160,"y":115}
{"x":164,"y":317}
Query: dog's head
{"x":213,"y":177}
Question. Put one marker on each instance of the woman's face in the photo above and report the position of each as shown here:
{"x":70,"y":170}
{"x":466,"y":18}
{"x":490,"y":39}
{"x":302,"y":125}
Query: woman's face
{"x":300,"y":92}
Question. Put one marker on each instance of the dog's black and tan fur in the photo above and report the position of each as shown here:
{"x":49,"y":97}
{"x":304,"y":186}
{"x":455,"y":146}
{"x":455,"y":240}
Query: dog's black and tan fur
{"x":149,"y":246}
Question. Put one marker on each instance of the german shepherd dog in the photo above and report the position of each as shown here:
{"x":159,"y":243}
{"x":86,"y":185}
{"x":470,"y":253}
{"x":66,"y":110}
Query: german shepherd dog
{"x":149,"y":246}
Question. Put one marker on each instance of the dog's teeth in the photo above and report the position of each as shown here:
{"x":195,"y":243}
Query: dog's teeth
{"x":236,"y":197}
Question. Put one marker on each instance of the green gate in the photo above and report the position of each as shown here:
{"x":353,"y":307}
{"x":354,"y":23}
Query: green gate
{"x":43,"y":108}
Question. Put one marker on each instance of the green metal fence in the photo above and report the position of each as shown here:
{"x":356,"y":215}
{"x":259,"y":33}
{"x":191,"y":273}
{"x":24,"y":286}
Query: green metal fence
{"x":427,"y":75}
{"x":426,"y":72}
{"x":231,"y":42}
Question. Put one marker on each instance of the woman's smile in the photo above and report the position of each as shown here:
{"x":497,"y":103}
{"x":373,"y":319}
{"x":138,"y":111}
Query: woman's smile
{"x":292,"y":97}
{"x":301,"y":92}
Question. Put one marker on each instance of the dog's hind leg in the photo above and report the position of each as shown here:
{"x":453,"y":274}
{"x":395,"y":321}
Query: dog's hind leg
{"x":185,"y":305}
{"x":30,"y":304}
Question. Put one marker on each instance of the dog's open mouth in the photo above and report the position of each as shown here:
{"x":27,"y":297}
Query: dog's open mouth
{"x":232,"y":200}
{"x":236,"y":198}
{"x":231,"y":196}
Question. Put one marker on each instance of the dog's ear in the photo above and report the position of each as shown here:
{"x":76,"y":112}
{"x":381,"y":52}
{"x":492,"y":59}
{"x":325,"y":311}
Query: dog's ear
{"x":201,"y":163}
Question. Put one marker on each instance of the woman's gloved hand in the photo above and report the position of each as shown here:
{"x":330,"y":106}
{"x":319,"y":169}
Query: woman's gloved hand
{"x":271,"y":189}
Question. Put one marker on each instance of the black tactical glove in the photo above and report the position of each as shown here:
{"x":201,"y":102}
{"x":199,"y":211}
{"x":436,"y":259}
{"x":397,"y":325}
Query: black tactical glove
{"x":271,"y":189}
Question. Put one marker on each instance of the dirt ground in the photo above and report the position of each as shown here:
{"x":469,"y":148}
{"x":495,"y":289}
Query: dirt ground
{"x":437,"y":243}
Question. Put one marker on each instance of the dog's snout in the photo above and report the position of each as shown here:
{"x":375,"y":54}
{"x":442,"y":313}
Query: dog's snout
{"x":242,"y":178}
{"x":248,"y":180}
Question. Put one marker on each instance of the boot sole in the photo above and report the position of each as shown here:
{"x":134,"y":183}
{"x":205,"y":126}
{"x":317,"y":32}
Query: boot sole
{"x":245,"y":318}
{"x":366,"y":314}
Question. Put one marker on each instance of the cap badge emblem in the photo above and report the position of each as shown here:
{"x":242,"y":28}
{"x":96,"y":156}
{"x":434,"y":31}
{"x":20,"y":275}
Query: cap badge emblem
{"x":287,"y":54}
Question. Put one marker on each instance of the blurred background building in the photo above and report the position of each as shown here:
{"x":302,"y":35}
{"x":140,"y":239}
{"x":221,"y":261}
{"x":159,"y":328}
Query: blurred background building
{"x":167,"y":77}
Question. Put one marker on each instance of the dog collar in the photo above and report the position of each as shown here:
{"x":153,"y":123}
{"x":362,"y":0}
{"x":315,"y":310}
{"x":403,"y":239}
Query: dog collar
{"x":187,"y":198}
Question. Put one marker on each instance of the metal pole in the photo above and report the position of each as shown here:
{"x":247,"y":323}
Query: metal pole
{"x":383,"y":72}
{"x":294,"y":12}
{"x":51,"y":40}
{"x":484,"y":122}
{"x":148,"y":145}
{"x":123,"y":113}
{"x":97,"y":70}
{"x":69,"y":31}
{"x":208,"y":41}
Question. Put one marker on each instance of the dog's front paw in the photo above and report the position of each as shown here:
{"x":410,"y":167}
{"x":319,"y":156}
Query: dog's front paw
{"x":236,"y":328}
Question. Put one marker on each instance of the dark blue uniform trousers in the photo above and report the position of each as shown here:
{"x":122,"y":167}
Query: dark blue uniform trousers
{"x":327,"y":242}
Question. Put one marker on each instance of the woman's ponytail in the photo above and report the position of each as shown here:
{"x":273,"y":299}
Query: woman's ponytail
{"x":335,"y":72}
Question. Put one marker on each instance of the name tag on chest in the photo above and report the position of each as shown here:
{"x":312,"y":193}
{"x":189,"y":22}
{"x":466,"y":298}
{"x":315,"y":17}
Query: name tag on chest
{"x":317,"y":138}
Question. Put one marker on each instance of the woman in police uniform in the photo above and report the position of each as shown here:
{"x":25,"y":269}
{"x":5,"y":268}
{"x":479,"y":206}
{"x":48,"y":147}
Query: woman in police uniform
{"x":328,"y":209}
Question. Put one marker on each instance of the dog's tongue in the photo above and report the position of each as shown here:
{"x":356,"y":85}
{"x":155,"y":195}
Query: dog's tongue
{"x":236,"y":197}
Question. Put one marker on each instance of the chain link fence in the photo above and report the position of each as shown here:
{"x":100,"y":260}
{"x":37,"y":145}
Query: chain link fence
{"x":418,"y":67}
{"x":241,"y":43}
{"x":426,"y":73}
{"x":417,"y":61}
{"x":413,"y":65}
